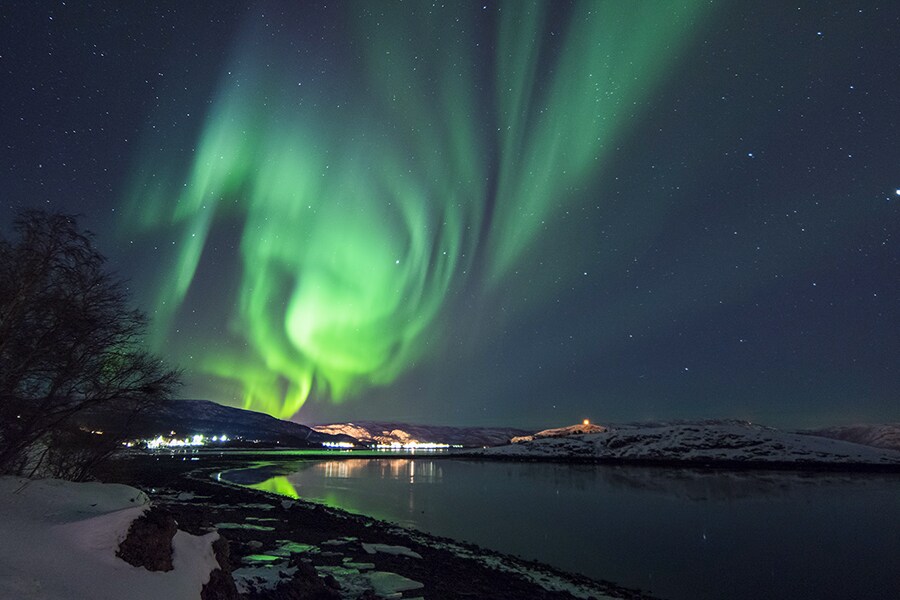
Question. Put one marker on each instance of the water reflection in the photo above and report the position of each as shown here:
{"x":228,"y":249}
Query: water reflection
{"x":398,"y":477}
{"x":698,"y":484}
{"x":674,"y":532}
{"x":276,"y":485}
{"x":412,"y":471}
{"x":333,"y":483}
{"x":261,"y":472}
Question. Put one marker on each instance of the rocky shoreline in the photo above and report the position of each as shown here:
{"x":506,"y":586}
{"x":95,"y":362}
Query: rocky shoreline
{"x":282,"y":548}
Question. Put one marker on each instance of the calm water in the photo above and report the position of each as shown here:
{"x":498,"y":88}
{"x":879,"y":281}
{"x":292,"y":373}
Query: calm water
{"x":675,"y":533}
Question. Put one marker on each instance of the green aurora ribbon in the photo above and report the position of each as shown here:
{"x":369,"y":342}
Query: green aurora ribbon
{"x":419,"y":167}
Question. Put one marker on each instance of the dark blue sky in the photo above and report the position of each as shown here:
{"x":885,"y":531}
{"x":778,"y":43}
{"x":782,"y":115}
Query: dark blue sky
{"x":733,"y":254}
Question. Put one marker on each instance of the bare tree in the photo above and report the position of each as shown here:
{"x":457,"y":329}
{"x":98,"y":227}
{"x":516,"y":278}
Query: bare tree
{"x":68,"y":341}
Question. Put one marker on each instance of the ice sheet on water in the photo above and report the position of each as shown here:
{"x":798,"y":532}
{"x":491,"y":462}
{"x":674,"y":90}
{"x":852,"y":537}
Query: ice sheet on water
{"x":388,"y":549}
{"x":261,"y":577}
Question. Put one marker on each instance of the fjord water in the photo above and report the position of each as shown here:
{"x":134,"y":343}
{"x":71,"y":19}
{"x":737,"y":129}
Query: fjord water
{"x":676,"y":533}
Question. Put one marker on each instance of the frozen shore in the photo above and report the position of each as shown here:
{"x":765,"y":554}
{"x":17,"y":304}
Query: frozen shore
{"x":282,"y":547}
{"x":60,"y":541}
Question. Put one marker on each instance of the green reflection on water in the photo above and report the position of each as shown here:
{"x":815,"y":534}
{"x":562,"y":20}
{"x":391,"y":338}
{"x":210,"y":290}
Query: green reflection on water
{"x":331,"y":469}
{"x":276,"y":485}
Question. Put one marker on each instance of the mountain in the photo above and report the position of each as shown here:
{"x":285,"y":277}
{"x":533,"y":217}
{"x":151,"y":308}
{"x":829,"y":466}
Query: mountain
{"x":707,"y":442}
{"x":190,"y":417}
{"x":383,"y":432}
{"x":579,"y":429}
{"x":886,"y":435}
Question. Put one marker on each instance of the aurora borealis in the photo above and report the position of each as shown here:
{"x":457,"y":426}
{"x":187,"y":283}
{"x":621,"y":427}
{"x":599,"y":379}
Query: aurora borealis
{"x":519,"y":213}
{"x":352,"y":243}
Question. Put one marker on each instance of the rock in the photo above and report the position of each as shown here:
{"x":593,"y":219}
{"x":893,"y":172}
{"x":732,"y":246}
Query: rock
{"x":219,"y":587}
{"x":331,"y":582}
{"x":299,"y":561}
{"x":306,"y":571}
{"x":304,"y":585}
{"x":221,"y":583}
{"x":149,"y":541}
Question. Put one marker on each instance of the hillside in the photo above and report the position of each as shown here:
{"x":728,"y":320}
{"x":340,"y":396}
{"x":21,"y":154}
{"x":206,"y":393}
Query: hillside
{"x":709,"y":442}
{"x":191,"y":417}
{"x":886,"y":435}
{"x":579,"y":429}
{"x":383,"y":432}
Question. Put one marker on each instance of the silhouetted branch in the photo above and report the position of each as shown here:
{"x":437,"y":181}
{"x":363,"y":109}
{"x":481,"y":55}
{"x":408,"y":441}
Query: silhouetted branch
{"x":68,"y":340}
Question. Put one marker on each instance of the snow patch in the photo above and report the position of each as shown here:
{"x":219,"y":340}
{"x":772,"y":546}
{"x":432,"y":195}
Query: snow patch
{"x":60,"y":539}
{"x":248,"y":526}
{"x":700,"y":442}
{"x":261,"y":578}
{"x":388,"y":549}
{"x":387,"y":584}
{"x":383,"y":583}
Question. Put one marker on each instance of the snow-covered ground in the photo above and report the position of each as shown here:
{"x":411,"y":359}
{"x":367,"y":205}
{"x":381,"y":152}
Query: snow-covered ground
{"x":707,"y":441}
{"x":581,"y":428}
{"x":58,"y":540}
{"x":884,"y":435}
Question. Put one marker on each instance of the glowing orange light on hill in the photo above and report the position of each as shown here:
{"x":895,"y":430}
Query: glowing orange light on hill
{"x":587,"y":421}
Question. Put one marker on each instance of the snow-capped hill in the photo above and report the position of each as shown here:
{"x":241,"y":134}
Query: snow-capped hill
{"x":579,"y":429}
{"x":728,"y":443}
{"x":388,"y":432}
{"x":886,"y":435}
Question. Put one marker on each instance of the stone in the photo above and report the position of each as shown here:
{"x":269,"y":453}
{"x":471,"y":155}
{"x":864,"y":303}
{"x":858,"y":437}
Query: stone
{"x":221,"y":583}
{"x":149,"y":541}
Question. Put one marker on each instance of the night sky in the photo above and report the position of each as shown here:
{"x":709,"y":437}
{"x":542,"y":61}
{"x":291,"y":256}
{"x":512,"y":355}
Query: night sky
{"x":482,"y":212}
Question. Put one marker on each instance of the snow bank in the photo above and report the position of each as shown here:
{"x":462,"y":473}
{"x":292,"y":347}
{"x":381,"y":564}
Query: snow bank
{"x":59,"y":541}
{"x":884,"y":435}
{"x":708,"y":441}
